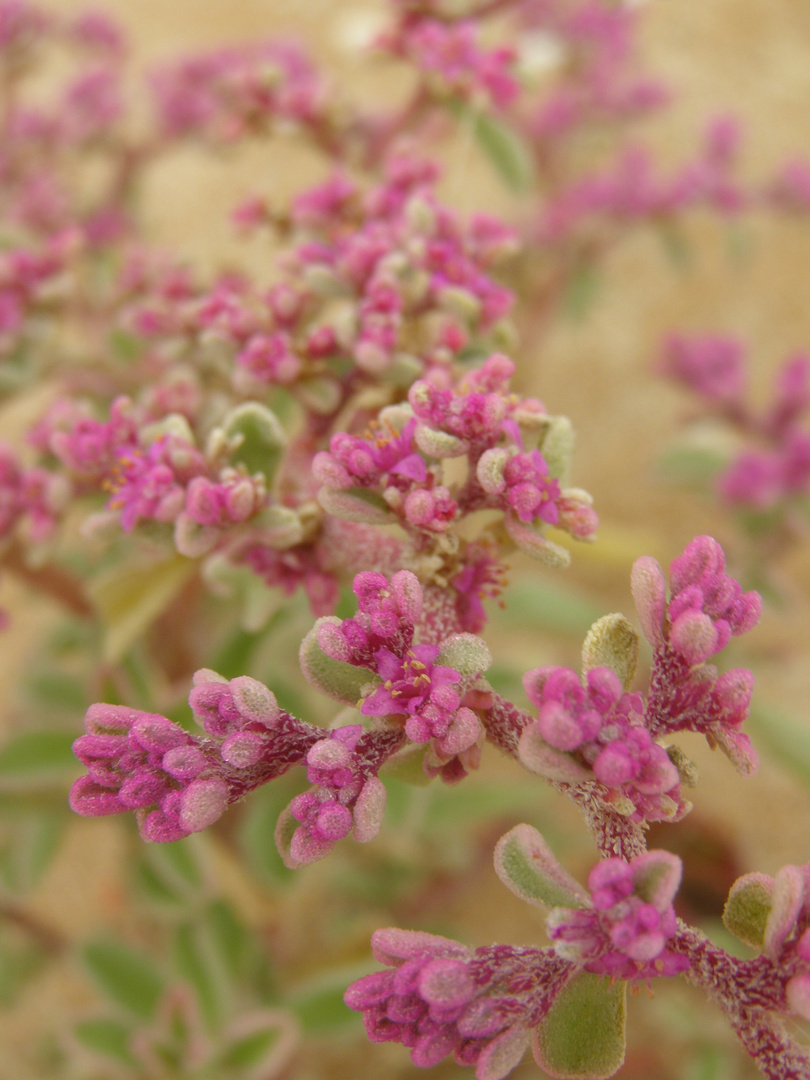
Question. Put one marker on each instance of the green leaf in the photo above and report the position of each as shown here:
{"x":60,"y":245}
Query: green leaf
{"x":504,"y":148}
{"x":174,"y":873}
{"x":258,"y":827}
{"x":126,"y":977}
{"x":528,"y":868}
{"x":181,"y":862}
{"x":109,"y":1037}
{"x":582,"y":1037}
{"x":557,"y":446}
{"x":691,"y":464}
{"x":249,"y":1050}
{"x":467,"y":653}
{"x":335,"y":678}
{"x":406,"y":766}
{"x":258,"y":1046}
{"x":612,"y":642}
{"x":347,"y":605}
{"x":130,"y":598}
{"x":234,"y":657}
{"x":257,"y":437}
{"x":37,"y":757}
{"x":357,"y":504}
{"x":234,"y":943}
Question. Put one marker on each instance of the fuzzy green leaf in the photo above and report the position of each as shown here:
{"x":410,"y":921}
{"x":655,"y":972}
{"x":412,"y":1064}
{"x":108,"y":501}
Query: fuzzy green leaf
{"x":467,"y":653}
{"x":557,"y":447}
{"x":612,"y":642}
{"x":528,"y":868}
{"x":200,"y":965}
{"x":335,"y":678}
{"x":583,"y":1035}
{"x":507,"y":152}
{"x":257,"y":438}
{"x":31,"y":844}
{"x":319,"y":1002}
{"x":748,"y":907}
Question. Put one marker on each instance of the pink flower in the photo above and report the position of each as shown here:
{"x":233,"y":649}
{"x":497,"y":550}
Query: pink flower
{"x":481,"y":577}
{"x":439,"y":998}
{"x":707,"y":605}
{"x":347,"y":796}
{"x":451,"y":53}
{"x":388,"y":458}
{"x":712,"y":365}
{"x":597,"y":731}
{"x":386,"y":619}
{"x":288,"y":568}
{"x":625,"y":933}
{"x":145,"y":485}
{"x":415,"y":686}
{"x":176,"y":782}
{"x":270,"y":358}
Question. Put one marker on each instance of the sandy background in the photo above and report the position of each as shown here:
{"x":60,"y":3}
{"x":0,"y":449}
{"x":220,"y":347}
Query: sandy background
{"x":751,"y":56}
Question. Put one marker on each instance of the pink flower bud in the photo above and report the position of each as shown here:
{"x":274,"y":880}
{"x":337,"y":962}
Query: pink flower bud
{"x":202,"y":803}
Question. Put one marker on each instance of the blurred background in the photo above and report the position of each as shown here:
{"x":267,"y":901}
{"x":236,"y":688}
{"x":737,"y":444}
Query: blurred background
{"x":218,"y":917}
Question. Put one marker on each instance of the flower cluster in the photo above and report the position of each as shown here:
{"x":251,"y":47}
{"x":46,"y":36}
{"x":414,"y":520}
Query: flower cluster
{"x":176,"y":782}
{"x":598,"y":732}
{"x":442,"y":998}
{"x":427,"y":698}
{"x":31,"y":498}
{"x":626,"y":932}
{"x":387,"y":276}
{"x":770,"y":470}
{"x":179,"y":783}
{"x":347,"y":795}
{"x":156,"y":473}
{"x":356,"y":422}
{"x":224,"y":95}
{"x":452,"y":62}
{"x":707,"y":607}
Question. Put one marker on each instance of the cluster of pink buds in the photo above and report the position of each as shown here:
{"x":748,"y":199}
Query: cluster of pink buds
{"x":771,"y":469}
{"x":452,"y":62}
{"x":598,"y":732}
{"x":428,"y":687}
{"x":224,"y":95}
{"x":347,"y":796}
{"x":31,"y":498}
{"x":598,"y":82}
{"x":626,"y":930}
{"x":356,"y":421}
{"x":178,"y":783}
{"x":707,"y":607}
{"x":388,"y":277}
{"x":443,"y":998}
